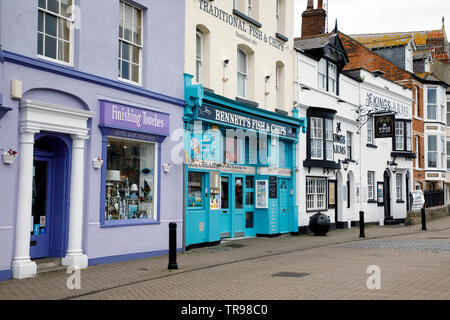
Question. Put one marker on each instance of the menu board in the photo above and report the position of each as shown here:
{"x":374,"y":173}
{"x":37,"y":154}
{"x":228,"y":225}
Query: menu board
{"x":273,"y":187}
{"x":262,"y":192}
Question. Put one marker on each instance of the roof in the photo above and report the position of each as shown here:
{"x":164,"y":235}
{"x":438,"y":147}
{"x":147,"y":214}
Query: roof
{"x":315,"y":42}
{"x":431,"y":78}
{"x":383,"y":40}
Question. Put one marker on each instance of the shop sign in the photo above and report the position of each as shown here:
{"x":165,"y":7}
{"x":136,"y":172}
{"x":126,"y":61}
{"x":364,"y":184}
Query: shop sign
{"x":418,"y":199}
{"x":381,"y":103}
{"x":233,"y":168}
{"x":246,"y":122}
{"x":384,"y":126}
{"x":264,"y":171}
{"x":133,"y":119}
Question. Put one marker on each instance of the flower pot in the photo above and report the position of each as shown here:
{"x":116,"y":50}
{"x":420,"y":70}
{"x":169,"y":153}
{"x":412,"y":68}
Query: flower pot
{"x":97,"y":163}
{"x":8,"y":158}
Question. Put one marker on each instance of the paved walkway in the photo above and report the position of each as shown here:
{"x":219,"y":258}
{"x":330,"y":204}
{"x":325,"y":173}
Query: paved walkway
{"x":251,"y":265}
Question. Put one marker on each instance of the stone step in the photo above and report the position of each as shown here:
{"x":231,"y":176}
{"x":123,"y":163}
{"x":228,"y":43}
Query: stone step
{"x":48,"y":265}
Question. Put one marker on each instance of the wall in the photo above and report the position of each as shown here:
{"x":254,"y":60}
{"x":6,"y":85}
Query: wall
{"x":415,"y":216}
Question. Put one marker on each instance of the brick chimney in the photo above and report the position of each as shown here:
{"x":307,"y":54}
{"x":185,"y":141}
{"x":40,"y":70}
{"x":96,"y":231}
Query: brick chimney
{"x":313,"y":20}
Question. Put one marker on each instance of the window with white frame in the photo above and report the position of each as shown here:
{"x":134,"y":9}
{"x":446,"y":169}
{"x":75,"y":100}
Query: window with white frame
{"x":130,"y":42}
{"x":448,"y":114}
{"x":199,"y":57}
{"x":322,"y":74}
{"x":448,"y":155}
{"x":329,"y":139}
{"x":403,"y":135}
{"x":370,"y":132}
{"x":332,"y":78}
{"x":315,"y":194}
{"x":399,"y":136}
{"x":416,"y":151}
{"x":443,"y":155}
{"x":371,"y":185}
{"x":432,"y":151}
{"x":277,"y":15}
{"x":316,"y":134}
{"x":431,"y":103}
{"x":250,"y":8}
{"x":409,"y":59}
{"x":55,"y":36}
{"x":327,"y":76}
{"x":416,"y":101}
{"x":349,"y":145}
{"x":443,"y":108}
{"x":398,"y":186}
{"x":242,"y":67}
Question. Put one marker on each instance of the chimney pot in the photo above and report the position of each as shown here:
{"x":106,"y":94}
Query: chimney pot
{"x":320,"y":4}
{"x":310,"y":5}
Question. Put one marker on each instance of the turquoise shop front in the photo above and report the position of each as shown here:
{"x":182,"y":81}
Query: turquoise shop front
{"x":240,"y":165}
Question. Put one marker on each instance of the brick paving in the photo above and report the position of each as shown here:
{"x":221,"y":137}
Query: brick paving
{"x":333,"y":270}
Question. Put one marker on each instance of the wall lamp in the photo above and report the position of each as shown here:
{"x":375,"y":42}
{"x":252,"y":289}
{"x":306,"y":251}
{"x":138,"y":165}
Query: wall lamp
{"x":345,"y":164}
{"x":392,"y":165}
{"x":226,"y":62}
{"x":304,"y":87}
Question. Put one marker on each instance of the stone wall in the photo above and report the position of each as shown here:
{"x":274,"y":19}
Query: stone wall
{"x":414,"y":216}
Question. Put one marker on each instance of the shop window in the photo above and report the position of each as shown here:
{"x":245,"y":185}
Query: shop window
{"x":130,"y":180}
{"x":195,"y":190}
{"x":224,"y":195}
{"x":249,"y":191}
{"x":402,"y":138}
{"x":130,"y":43}
{"x":54,"y":36}
{"x":315,"y":194}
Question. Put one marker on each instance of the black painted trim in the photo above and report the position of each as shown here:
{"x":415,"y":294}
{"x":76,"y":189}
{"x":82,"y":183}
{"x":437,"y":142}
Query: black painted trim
{"x":281,"y":37}
{"x":249,"y":102}
{"x":369,"y":145}
{"x":202,"y":245}
{"x":400,"y":201}
{"x":321,"y":164}
{"x":406,"y":154}
{"x":247,"y":18}
{"x":372,"y":201}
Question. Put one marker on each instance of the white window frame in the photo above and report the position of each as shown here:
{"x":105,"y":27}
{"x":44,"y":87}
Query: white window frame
{"x":70,"y":19}
{"x":199,"y":59}
{"x":429,"y":151}
{"x":416,"y":101}
{"x":322,"y":74}
{"x":399,"y":186}
{"x":332,"y":77}
{"x":316,"y":194}
{"x":349,"y":144}
{"x":250,"y":8}
{"x":448,"y":154}
{"x":399,"y":135}
{"x":242,"y":74}
{"x":416,"y":148}
{"x":371,"y":185}
{"x":319,"y":125}
{"x":329,"y":150}
{"x":131,"y":43}
{"x":443,"y":153}
{"x":370,"y":132}
{"x":277,"y":15}
{"x":435,"y":104}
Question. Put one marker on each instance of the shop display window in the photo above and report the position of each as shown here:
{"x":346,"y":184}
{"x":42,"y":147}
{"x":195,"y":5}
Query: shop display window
{"x":195,"y":187}
{"x":130,"y":180}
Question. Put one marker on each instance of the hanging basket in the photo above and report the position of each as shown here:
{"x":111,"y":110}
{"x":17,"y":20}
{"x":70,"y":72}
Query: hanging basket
{"x":8,"y":158}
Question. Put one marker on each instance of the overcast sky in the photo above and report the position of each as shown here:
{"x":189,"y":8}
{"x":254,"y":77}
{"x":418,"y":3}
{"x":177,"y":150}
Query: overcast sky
{"x":376,"y":16}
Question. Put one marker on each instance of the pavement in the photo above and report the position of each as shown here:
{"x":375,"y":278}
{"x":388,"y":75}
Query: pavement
{"x":412,"y":264}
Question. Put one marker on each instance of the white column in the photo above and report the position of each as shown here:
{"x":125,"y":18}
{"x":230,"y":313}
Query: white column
{"x":74,"y":255}
{"x":22,"y":266}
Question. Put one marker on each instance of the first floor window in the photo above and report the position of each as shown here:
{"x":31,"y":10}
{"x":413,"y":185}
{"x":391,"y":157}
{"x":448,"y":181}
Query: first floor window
{"x":403,"y":136}
{"x":329,"y":139}
{"x":370,"y":130}
{"x":448,"y":155}
{"x":130,"y":42}
{"x":417,"y":152}
{"x":432,"y":151}
{"x":349,"y":144}
{"x":130,"y":180}
{"x":242,"y":73}
{"x":315,"y":194}
{"x":371,"y":185}
{"x":431,"y":104}
{"x":199,"y":57}
{"x":316,"y":132}
{"x":398,"y":187}
{"x":54,"y":35}
{"x":399,"y":136}
{"x":442,"y":151}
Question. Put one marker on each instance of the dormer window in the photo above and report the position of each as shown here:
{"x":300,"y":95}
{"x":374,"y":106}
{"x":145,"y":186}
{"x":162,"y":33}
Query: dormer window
{"x":327,"y":76}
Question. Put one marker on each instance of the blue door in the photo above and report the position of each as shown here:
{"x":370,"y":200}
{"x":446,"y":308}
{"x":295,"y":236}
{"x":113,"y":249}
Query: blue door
{"x":41,"y":207}
{"x":225,"y":206}
{"x":250,"y":228}
{"x":238,"y":214}
{"x":283,"y":189}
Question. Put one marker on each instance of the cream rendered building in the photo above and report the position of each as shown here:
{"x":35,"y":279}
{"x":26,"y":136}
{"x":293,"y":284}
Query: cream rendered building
{"x":252,"y":38}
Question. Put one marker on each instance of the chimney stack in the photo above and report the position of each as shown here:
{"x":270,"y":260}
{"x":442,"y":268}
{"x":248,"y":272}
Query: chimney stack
{"x":313,"y":20}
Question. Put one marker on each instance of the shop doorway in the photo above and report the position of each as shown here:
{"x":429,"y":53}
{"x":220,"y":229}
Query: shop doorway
{"x":50,"y":196}
{"x":387,"y":194}
{"x":283,"y":187}
{"x":238,"y":214}
{"x":225,"y":206}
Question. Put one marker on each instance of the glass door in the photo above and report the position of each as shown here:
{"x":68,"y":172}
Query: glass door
{"x":225,"y":207}
{"x":238,"y":214}
{"x":250,"y":229}
{"x":283,"y":189}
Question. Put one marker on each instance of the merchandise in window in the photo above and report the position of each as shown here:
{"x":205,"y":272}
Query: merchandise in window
{"x":54,"y":34}
{"x":130,"y":42}
{"x":195,"y":190}
{"x":130,"y":180}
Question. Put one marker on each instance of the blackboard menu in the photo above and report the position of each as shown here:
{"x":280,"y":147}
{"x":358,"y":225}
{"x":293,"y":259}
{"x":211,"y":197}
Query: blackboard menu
{"x":273,"y":187}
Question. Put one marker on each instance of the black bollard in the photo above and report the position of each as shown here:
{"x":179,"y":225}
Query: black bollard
{"x":173,"y":246}
{"x":361,"y":224}
{"x":424,"y":219}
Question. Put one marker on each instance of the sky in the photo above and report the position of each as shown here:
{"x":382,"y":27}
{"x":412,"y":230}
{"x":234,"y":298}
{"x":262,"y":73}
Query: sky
{"x":377,"y":16}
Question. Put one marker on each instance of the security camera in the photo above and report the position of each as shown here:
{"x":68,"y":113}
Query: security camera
{"x":267,"y":77}
{"x":226,"y":62}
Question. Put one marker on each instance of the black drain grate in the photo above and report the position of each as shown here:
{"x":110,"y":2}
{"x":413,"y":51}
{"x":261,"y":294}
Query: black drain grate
{"x":235,"y":245}
{"x":291,"y":274}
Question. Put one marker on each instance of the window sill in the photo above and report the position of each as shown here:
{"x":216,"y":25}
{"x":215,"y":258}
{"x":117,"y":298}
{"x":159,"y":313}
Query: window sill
{"x":55,"y":61}
{"x":369,"y":145}
{"x":400,"y":201}
{"x":247,"y":18}
{"x":248,"y":102}
{"x":127,"y":223}
{"x":372,"y":201}
{"x":281,"y":37}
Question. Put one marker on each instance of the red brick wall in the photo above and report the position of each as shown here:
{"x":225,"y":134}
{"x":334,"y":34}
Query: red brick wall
{"x":313,"y":22}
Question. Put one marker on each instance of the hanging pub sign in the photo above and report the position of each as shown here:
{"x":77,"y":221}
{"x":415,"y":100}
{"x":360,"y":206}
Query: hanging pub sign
{"x":384,"y":125}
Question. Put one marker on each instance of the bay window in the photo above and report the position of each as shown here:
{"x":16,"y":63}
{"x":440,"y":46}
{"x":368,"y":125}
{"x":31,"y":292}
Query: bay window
{"x":327,"y":76}
{"x":403,"y":135}
{"x":431,"y":104}
{"x":432,"y":151}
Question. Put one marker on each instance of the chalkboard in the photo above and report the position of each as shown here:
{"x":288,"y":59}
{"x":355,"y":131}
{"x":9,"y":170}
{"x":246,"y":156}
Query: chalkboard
{"x":273,"y":187}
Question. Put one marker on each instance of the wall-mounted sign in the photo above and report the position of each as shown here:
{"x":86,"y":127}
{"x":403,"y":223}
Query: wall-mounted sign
{"x":339,"y":140}
{"x":380,"y":190}
{"x":134,"y":119}
{"x":384,"y":126}
{"x":376,"y":101}
{"x":273,"y":187}
{"x":243,"y":121}
{"x":244,"y":30}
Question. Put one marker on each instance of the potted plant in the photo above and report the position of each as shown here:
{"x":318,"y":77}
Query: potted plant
{"x":97,"y":163}
{"x":9,"y":156}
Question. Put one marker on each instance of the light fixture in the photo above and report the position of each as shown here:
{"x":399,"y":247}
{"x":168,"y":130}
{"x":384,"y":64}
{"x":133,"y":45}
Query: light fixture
{"x":345,"y":164}
{"x":304,"y":87}
{"x":393,"y":165}
{"x":267,"y":77}
{"x":226,"y":62}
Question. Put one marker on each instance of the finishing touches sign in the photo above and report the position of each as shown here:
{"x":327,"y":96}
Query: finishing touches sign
{"x":133,"y":119}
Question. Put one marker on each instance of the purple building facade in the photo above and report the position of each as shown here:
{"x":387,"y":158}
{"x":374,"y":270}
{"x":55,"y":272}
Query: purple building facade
{"x":91,"y":94}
